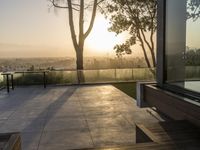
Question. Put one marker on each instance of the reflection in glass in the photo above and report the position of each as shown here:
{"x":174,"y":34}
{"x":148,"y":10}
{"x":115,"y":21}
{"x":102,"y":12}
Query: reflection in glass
{"x":182,"y":51}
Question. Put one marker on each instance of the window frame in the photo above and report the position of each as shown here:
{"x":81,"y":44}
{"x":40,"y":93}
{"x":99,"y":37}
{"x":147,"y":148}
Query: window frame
{"x":161,"y":49}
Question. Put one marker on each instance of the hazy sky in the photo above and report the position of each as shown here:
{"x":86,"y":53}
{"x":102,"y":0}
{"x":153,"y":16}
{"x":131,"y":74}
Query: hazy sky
{"x":193,"y":33}
{"x":28,"y":29}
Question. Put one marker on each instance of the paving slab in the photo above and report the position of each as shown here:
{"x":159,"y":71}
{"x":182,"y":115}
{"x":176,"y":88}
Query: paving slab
{"x":108,"y":137}
{"x":22,"y":125}
{"x":5,"y":114}
{"x":117,"y":121}
{"x":66,"y":123}
{"x":64,"y":140}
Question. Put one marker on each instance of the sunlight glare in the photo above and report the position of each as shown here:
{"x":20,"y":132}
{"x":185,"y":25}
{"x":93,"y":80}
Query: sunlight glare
{"x":101,"y":40}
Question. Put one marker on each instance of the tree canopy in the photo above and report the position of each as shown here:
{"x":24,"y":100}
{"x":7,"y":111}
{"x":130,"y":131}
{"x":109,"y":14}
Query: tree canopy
{"x":193,"y":9}
{"x":137,"y":17}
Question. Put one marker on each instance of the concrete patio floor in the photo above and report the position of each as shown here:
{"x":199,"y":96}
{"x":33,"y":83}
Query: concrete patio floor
{"x":71,"y":117}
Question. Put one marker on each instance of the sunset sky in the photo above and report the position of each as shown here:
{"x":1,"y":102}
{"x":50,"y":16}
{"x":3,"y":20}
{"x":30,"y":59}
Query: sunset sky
{"x":28,"y":29}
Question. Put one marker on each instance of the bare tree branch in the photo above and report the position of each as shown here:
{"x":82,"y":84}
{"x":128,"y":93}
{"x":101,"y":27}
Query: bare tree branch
{"x":81,"y":24}
{"x":71,"y":24}
{"x":92,"y":19}
{"x":64,"y":7}
{"x":143,"y":49}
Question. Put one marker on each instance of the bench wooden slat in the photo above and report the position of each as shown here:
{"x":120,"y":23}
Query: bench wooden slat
{"x":174,"y":132}
{"x":153,"y":146}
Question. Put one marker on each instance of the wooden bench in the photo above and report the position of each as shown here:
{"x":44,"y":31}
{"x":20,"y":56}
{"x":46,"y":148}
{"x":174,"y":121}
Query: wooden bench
{"x":10,"y":141}
{"x":149,"y":146}
{"x":140,"y":146}
{"x":179,"y":133}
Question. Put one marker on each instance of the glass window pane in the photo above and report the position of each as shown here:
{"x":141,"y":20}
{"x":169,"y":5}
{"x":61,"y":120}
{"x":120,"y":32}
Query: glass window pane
{"x":182,"y":52}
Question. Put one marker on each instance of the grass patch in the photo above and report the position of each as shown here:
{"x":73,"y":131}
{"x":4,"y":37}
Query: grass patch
{"x":128,"y":88}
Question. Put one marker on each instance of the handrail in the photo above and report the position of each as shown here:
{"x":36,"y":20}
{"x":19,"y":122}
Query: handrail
{"x":39,"y":71}
{"x":7,"y":73}
{"x":99,"y":76}
{"x":45,"y":71}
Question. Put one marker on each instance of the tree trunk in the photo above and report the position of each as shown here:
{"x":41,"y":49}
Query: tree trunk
{"x":151,"y":47}
{"x":71,"y":25}
{"x":79,"y":64}
{"x":79,"y":60}
{"x":79,"y":45}
{"x":143,"y":49}
{"x":79,"y":52}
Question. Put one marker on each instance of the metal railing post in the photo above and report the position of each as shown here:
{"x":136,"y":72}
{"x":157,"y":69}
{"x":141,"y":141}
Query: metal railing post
{"x":115,"y":74}
{"x":132,"y":73}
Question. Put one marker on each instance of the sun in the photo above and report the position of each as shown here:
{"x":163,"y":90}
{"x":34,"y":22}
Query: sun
{"x":100,"y":40}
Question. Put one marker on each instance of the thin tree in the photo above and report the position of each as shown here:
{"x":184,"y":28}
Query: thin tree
{"x":137,"y":17}
{"x":78,"y":41}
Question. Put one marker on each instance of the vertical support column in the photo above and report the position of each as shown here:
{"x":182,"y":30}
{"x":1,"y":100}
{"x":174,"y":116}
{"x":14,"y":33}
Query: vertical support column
{"x":7,"y":82}
{"x":160,"y":42}
{"x":171,"y":41}
{"x":176,"y":13}
{"x":12,"y":81}
{"x":132,"y":73}
{"x":115,"y":74}
{"x":44,"y":79}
